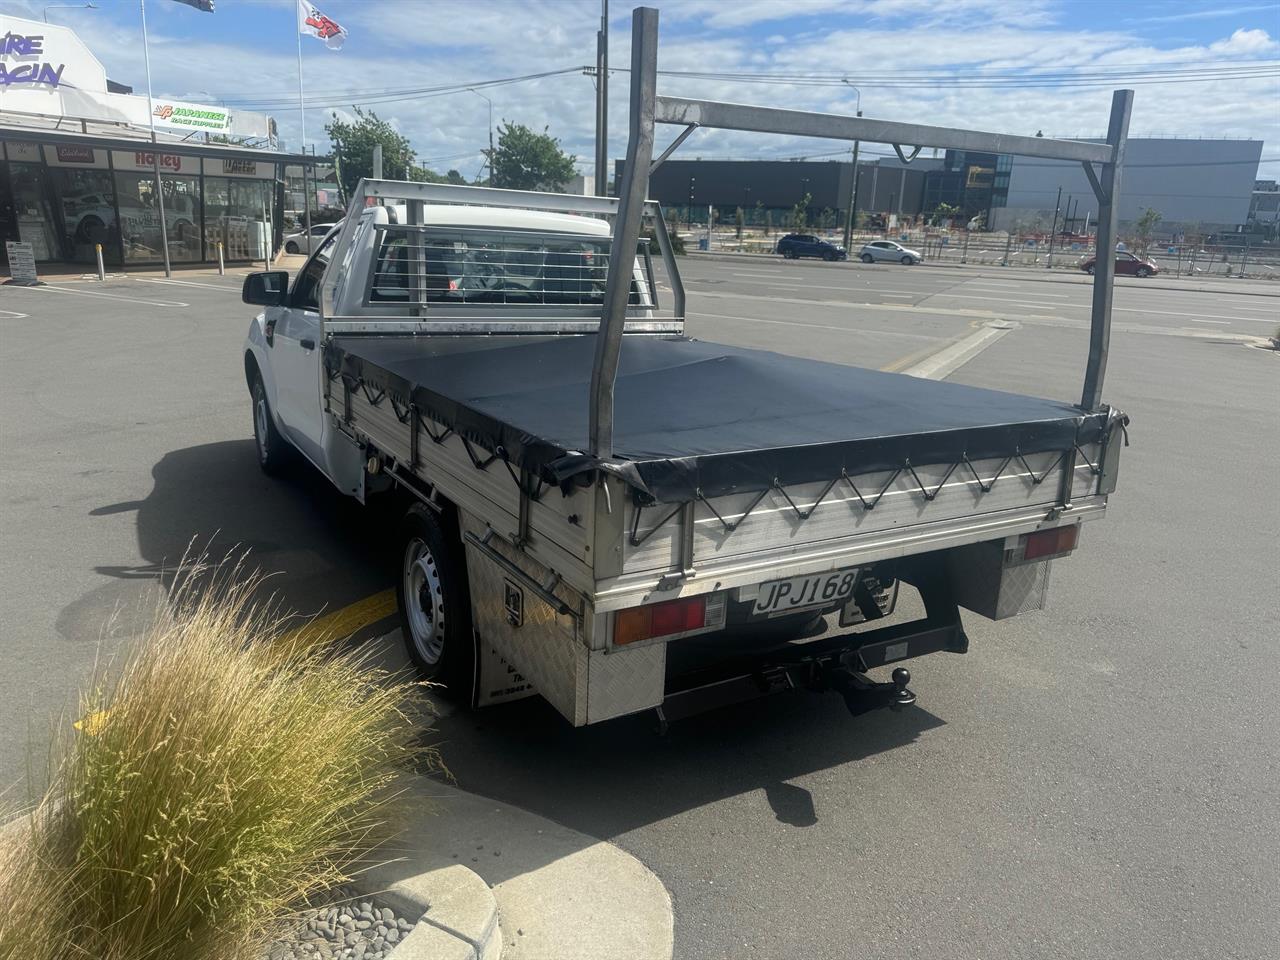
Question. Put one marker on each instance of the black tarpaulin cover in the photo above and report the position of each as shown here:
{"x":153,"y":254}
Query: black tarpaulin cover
{"x":693,"y":417}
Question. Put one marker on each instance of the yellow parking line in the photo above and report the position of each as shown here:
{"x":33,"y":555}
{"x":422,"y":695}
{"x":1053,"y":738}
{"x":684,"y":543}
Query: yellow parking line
{"x":349,"y":619}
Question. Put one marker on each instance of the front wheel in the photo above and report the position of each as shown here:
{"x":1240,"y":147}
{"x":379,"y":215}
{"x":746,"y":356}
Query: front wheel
{"x":1143,"y":272}
{"x":866,"y":258}
{"x":273,"y":450}
{"x":434,"y":602}
{"x":1089,"y":270}
{"x":291,"y":247}
{"x":829,"y":256}
{"x":908,"y":261}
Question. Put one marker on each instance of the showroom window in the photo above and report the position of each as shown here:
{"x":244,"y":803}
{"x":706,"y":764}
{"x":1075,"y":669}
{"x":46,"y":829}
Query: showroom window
{"x":140,"y":217}
{"x":236,"y":214}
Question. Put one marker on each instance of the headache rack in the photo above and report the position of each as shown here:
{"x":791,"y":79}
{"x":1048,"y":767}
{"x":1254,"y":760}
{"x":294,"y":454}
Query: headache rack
{"x":423,"y":274}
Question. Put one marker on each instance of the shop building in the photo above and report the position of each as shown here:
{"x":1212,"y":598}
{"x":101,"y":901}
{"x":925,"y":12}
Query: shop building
{"x":79,"y":166}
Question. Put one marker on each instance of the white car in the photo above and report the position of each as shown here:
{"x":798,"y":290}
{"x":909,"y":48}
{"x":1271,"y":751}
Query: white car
{"x":303,"y":242}
{"x":887,"y":250}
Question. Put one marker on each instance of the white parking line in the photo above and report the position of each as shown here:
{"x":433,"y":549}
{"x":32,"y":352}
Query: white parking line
{"x":1006,"y":290}
{"x":50,"y":288}
{"x":859,"y":331}
{"x":12,"y":315}
{"x":1222,"y":322}
{"x":190,"y":283}
{"x":1216,"y":316}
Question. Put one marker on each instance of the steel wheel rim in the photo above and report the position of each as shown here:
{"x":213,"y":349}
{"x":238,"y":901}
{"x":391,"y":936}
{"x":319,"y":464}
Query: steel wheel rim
{"x":260,"y":422}
{"x":424,"y":601}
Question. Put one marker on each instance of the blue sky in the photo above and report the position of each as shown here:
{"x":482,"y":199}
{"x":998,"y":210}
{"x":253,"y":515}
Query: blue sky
{"x":246,"y":52}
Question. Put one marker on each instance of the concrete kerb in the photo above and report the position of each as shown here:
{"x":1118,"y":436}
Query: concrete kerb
{"x":456,"y":910}
{"x":1020,"y":273}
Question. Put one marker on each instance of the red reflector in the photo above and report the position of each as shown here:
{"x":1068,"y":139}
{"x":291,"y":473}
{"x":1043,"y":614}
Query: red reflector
{"x":677,"y":616}
{"x":1050,"y":543}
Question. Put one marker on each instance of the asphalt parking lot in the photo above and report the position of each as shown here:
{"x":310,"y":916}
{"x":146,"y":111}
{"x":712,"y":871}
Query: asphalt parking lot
{"x":1097,"y":780}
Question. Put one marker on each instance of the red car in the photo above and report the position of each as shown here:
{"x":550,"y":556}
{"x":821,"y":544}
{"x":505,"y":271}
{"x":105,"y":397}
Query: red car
{"x":1126,"y":263}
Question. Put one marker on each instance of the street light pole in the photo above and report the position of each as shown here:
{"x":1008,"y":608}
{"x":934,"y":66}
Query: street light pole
{"x":490,"y":155}
{"x":688,"y":220}
{"x":155,"y":151}
{"x":1057,"y":204}
{"x":68,"y":6}
{"x":853,"y":190}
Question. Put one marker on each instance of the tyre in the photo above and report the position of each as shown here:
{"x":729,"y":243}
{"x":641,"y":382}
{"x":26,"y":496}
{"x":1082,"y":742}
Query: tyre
{"x":907,"y":261}
{"x":867,"y":258}
{"x":1089,"y":270}
{"x":290,"y":247}
{"x":828,"y":256}
{"x":1142,"y":272}
{"x":91,"y":230}
{"x":435,"y":604}
{"x":273,"y":450}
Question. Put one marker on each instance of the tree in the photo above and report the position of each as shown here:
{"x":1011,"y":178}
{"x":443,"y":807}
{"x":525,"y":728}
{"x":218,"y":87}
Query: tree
{"x":1143,"y":227}
{"x":943,"y":213}
{"x":524,"y":160}
{"x":353,"y":148}
{"x":800,"y":212}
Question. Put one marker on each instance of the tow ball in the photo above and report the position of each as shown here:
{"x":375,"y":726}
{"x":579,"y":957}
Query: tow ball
{"x":862,"y":694}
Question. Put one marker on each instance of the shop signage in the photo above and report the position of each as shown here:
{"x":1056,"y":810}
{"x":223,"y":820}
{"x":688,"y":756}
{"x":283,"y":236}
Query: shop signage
{"x":191,"y":116}
{"x":41,"y":72}
{"x":22,"y":263}
{"x":69,"y":154}
{"x":144,"y":159}
{"x":248,"y":167}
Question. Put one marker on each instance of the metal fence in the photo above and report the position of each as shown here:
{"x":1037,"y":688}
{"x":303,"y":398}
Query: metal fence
{"x":1027,"y":250}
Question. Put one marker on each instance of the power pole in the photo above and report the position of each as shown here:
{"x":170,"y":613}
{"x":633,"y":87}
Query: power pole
{"x":602,"y":102}
{"x":853,"y":198}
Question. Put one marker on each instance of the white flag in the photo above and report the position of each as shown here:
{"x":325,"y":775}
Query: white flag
{"x":313,"y":23}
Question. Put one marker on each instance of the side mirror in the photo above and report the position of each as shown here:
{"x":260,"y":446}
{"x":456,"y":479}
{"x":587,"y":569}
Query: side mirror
{"x":266,"y":289}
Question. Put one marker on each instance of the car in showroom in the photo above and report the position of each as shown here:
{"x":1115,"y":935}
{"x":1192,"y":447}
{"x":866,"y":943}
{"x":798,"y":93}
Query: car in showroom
{"x":301,"y":242}
{"x":1127,"y":263}
{"x":796,"y":245}
{"x":888,"y":251}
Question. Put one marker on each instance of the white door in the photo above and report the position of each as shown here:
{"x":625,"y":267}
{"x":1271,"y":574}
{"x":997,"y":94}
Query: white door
{"x":296,"y":359}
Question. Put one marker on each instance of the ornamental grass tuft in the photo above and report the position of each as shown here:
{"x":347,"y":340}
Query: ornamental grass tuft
{"x":223,"y":774}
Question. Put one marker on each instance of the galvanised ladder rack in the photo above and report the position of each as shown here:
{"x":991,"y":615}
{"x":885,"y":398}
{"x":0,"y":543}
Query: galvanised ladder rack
{"x":648,"y":109}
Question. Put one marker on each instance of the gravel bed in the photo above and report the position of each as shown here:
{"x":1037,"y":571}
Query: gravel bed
{"x":343,"y":928}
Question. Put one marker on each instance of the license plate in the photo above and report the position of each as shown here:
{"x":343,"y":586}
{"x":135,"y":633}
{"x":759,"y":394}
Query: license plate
{"x":816,"y":590}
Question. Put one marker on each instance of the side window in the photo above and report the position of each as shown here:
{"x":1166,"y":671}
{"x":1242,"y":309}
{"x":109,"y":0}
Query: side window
{"x":306,"y":289}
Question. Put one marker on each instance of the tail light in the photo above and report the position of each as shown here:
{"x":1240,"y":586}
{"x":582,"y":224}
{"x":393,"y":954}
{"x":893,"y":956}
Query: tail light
{"x":1054,"y":542}
{"x":659,"y":619}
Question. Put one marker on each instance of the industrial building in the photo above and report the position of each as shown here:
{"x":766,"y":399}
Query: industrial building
{"x":1207,"y":185}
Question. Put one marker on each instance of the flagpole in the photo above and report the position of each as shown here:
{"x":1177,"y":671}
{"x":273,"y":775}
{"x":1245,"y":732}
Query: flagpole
{"x":155,"y":152}
{"x":302,"y":110}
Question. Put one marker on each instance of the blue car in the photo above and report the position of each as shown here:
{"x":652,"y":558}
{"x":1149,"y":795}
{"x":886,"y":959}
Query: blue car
{"x":796,"y":245}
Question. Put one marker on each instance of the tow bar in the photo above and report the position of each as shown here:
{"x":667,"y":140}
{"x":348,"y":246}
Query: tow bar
{"x":863,"y":695}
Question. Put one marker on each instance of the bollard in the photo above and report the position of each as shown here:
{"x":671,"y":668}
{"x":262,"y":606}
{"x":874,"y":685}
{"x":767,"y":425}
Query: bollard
{"x":964,"y":254}
{"x":222,"y":267}
{"x":1244,"y":259}
{"x":1008,"y":241}
{"x":102,"y":270}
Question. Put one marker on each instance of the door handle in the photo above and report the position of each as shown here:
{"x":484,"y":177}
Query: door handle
{"x":307,"y":344}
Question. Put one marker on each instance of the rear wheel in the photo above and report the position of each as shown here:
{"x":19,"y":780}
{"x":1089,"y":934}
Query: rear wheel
{"x":434,"y":602}
{"x":273,"y":450}
{"x":867,"y":258}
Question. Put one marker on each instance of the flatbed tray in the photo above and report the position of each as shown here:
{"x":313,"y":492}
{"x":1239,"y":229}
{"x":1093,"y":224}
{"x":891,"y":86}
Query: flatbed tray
{"x":698,"y":419}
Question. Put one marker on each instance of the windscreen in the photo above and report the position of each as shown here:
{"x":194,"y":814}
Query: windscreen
{"x":440,"y":265}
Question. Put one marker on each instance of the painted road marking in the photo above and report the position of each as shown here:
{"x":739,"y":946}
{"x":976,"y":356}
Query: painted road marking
{"x":346,"y":621}
{"x":50,"y":288}
{"x":190,"y":283}
{"x":14,"y":315}
{"x":946,"y":361}
{"x":859,"y":331}
{"x":1174,"y":313}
